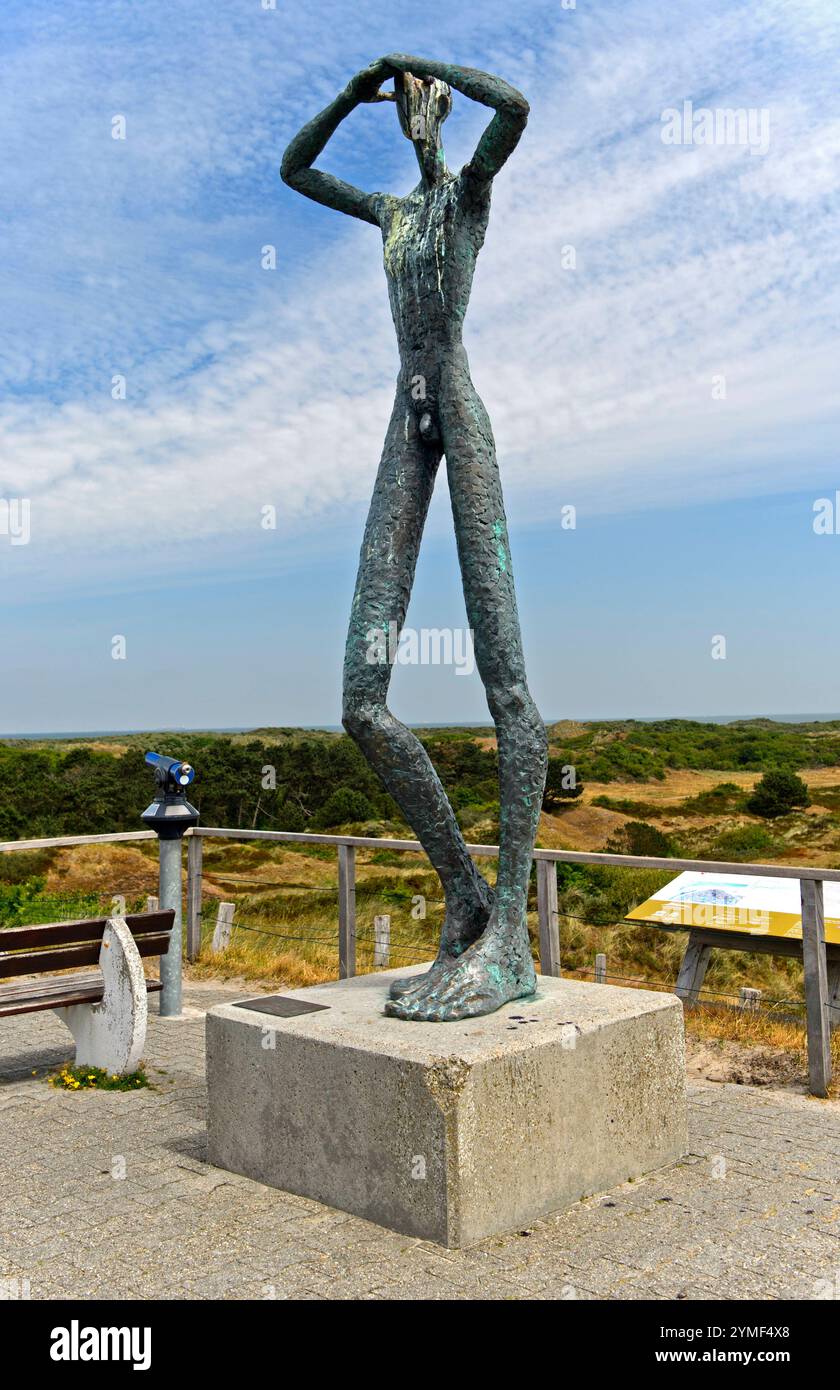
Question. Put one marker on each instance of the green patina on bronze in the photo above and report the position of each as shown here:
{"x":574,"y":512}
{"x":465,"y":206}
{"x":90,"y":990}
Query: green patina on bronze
{"x":431,"y":240}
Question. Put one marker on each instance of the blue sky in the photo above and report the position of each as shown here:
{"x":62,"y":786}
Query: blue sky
{"x":246,"y":387}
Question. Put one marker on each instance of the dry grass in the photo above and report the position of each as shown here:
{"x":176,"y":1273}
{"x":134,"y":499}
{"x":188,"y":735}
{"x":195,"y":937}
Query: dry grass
{"x":580,"y":826}
{"x":285,"y":924}
{"x":681,"y":783}
{"x":754,"y":1048}
{"x":267,"y":964}
{"x":297,"y":954}
{"x":566,"y":728}
{"x":753,"y":1029}
{"x":104,"y":869}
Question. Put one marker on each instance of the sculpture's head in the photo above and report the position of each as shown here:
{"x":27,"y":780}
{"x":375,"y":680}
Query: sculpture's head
{"x":423,"y":104}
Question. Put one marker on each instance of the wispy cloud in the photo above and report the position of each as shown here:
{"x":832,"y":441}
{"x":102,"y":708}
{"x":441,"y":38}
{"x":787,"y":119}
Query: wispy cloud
{"x":248,"y":387}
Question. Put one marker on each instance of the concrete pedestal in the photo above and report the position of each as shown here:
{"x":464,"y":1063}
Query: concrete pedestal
{"x":449,"y":1131}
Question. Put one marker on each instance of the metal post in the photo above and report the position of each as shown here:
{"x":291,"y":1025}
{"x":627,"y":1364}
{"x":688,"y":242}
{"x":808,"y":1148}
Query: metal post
{"x":170,"y":896}
{"x":194,"y":867}
{"x":346,"y":911}
{"x":170,"y":816}
{"x":816,"y":986}
{"x":547,"y":913}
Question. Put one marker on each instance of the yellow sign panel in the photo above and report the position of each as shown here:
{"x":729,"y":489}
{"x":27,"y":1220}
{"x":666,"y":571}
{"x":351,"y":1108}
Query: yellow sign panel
{"x":750,"y":905}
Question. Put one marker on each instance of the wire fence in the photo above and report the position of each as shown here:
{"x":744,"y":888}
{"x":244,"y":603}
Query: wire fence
{"x":65,"y":908}
{"x":421,"y":950}
{"x":796,"y":1006}
{"x":411,"y":948}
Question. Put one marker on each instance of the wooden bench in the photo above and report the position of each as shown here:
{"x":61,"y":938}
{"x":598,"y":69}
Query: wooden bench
{"x":105,"y":1008}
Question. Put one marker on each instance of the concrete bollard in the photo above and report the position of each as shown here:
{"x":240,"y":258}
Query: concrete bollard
{"x":381,"y":939}
{"x":224,"y":925}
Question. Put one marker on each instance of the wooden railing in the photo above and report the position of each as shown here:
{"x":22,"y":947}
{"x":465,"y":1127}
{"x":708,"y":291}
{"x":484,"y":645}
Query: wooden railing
{"x":820,"y":990}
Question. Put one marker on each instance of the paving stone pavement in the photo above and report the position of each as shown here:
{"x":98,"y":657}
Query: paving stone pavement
{"x":752,"y":1212}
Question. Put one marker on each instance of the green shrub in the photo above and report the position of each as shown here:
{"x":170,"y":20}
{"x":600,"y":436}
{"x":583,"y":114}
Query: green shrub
{"x":344,"y":806}
{"x":744,"y":843}
{"x":639,"y":838}
{"x":777,"y":793}
{"x":726,"y":796}
{"x":602,"y":894}
{"x":561,"y":784}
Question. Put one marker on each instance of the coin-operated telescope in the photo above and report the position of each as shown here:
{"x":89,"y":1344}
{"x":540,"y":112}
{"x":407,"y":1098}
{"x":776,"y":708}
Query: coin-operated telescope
{"x":170,"y":816}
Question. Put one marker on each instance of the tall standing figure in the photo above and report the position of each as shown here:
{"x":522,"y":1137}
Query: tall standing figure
{"x":431,"y":241}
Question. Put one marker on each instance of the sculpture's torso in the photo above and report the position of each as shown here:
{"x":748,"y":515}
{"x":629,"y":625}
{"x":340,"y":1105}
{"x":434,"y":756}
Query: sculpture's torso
{"x":431,"y":240}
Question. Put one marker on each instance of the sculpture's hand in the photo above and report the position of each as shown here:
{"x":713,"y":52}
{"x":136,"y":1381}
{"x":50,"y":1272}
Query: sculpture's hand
{"x":479,"y":86}
{"x":404,"y":62}
{"x":503,"y":133}
{"x":364,"y":87}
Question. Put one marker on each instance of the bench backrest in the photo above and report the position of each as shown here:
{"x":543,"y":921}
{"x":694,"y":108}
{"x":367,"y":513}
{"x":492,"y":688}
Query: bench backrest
{"x":62,"y":945}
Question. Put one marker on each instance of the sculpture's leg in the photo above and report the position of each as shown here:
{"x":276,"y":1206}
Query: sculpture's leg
{"x":392,"y":537}
{"x":498,"y":967}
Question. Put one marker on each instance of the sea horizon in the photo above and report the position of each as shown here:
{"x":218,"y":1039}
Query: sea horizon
{"x":57,"y":734}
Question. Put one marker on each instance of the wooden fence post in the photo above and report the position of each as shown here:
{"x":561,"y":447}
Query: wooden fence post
{"x":381,"y":939}
{"x":152,"y":904}
{"x":693,"y":969}
{"x":600,"y":969}
{"x":816,"y":986}
{"x":749,"y":1000}
{"x":224,"y":925}
{"x":346,"y":911}
{"x":547,"y":913}
{"x":195,"y":846}
{"x":834,"y":994}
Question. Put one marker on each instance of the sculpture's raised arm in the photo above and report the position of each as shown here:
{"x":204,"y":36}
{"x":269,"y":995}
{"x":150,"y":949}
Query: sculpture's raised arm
{"x":296,"y":169}
{"x":504,"y":131}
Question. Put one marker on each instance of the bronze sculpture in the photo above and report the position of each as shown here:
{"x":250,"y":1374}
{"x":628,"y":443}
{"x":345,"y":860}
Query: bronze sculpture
{"x":431,"y":240}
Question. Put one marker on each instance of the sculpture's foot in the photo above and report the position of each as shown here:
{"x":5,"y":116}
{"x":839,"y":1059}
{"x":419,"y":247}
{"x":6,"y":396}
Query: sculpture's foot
{"x":459,"y":931}
{"x":408,"y":984}
{"x":487,"y":975}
